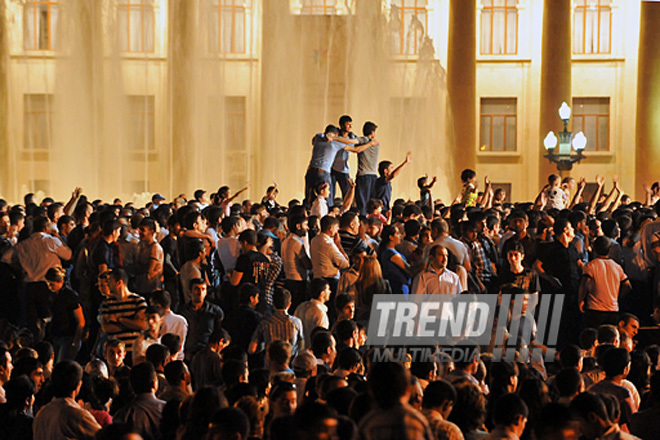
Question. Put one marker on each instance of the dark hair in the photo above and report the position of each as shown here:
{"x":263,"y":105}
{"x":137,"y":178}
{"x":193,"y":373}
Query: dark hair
{"x":232,"y":370}
{"x":109,"y":226}
{"x":348,"y":358}
{"x":119,"y":274}
{"x":246,"y":292}
{"x":331,"y":129}
{"x":560,"y":224}
{"x":602,"y":246}
{"x":19,"y":389}
{"x":615,"y":361}
{"x":342,"y":300}
{"x":317,"y":286}
{"x":142,"y":378}
{"x":387,"y":383}
{"x":281,"y":298}
{"x":162,"y":299}
{"x":296,"y":221}
{"x":228,"y":223}
{"x":40,"y":224}
{"x":321,"y":341}
{"x":467,"y":174}
{"x":196,"y":282}
{"x":228,"y":422}
{"x":382,"y":166}
{"x":248,"y":236}
{"x":469,"y":411}
{"x":568,"y":382}
{"x":345,"y":329}
{"x":157,"y":354}
{"x":437,"y":393}
{"x":570,"y":356}
{"x":412,"y":228}
{"x":172,"y":342}
{"x":607,"y":334}
{"x":585,"y":403}
{"x":175,"y":372}
{"x":507,"y":409}
{"x":368,"y":128}
{"x":328,"y":222}
{"x":271,"y":222}
{"x":344,"y":119}
{"x":588,"y":337}
{"x":65,"y":378}
{"x":65,"y":219}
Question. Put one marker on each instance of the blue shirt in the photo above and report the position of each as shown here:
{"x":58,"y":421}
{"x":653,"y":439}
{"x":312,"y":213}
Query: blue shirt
{"x":324,"y":152}
{"x":341,"y":159}
{"x":397,"y":277}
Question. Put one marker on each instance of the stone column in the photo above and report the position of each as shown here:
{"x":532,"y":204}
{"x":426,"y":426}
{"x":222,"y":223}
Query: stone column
{"x":462,"y":81}
{"x":647,"y":129}
{"x":555,"y":74}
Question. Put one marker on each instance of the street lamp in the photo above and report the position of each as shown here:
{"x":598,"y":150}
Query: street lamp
{"x":565,"y":158}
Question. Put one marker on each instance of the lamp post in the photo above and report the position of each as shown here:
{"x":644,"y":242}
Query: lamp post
{"x":565,"y":158}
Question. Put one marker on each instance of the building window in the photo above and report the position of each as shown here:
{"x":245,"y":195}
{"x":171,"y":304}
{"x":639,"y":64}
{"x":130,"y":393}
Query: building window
{"x":142,"y":123}
{"x":592,"y":117}
{"x":499,"y":27}
{"x":136,"y":25}
{"x":498,"y":124}
{"x":228,"y":27}
{"x":37,"y":121}
{"x":318,"y":7}
{"x":40,"y":21}
{"x":409,"y":21}
{"x":592,"y":27}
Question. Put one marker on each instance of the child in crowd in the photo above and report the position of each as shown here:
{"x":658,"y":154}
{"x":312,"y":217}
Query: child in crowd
{"x":425,"y":189}
{"x":469,"y":192}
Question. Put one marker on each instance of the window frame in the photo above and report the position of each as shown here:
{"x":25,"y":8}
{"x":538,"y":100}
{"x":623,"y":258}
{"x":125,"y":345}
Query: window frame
{"x":326,"y":9}
{"x":584,"y":9}
{"x":34,"y":6}
{"x":143,"y":113}
{"x":30,"y":114}
{"x":219,"y":8}
{"x":492,"y":10}
{"x":401,"y":51}
{"x":129,"y":5}
{"x":491,"y":129}
{"x":576,"y":114}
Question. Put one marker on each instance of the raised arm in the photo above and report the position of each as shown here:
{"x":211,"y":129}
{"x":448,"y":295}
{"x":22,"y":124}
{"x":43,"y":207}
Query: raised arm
{"x":610,"y":197}
{"x":71,"y":204}
{"x":619,"y":196}
{"x":600,"y":180}
{"x":582,"y":183}
{"x":398,"y":169}
{"x":240,"y":191}
{"x":350,"y":195}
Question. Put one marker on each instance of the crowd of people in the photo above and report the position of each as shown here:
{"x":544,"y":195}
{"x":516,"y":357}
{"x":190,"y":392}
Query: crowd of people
{"x":212,"y":317}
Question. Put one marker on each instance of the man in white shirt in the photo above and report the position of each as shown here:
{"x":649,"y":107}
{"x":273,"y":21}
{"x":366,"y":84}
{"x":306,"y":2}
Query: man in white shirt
{"x":314,"y":313}
{"x":327,"y":255}
{"x":437,"y":279}
{"x":172,"y":323}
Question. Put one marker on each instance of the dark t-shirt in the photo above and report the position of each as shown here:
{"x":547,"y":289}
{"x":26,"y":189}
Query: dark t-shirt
{"x":63,"y":323}
{"x":383,"y":192}
{"x":561,"y":263}
{"x":241,"y":324}
{"x":254,"y":267}
{"x":103,"y":253}
{"x":527,"y":280}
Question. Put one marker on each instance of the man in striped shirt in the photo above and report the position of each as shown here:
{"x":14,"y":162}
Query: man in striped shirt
{"x":280,"y":325}
{"x":122,"y":313}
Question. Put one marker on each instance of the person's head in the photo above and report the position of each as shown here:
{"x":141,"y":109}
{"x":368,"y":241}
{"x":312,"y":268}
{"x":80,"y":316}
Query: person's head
{"x":588,"y":338}
{"x":346,"y":123}
{"x":629,"y":324}
{"x":569,"y":382}
{"x":111,"y":229}
{"x":248,"y":295}
{"x":563,"y":229}
{"x":55,"y":278}
{"x":440,"y":396}
{"x":571,"y":357}
{"x":350,"y":222}
{"x":518,"y":221}
{"x":234,"y":371}
{"x":143,"y":378}
{"x":615,"y":362}
{"x":324,"y":346}
{"x":346,"y":331}
{"x":608,"y":334}
{"x":319,"y":289}
{"x":229,"y":423}
{"x":114,"y":352}
{"x":369,"y":129}
{"x":602,"y":246}
{"x":299,"y":225}
{"x":198,"y":291}
{"x":148,"y":229}
{"x":283,"y":399}
{"x":32,"y":368}
{"x":331,"y":132}
{"x":515,"y":255}
{"x":279,"y":352}
{"x":345,"y":305}
{"x":117,"y":281}
{"x":349,"y":359}
{"x":591,"y":414}
{"x":281,"y":299}
{"x":66,"y":379}
{"x":388,"y":383}
{"x":438,"y":257}
{"x":554,"y":180}
{"x":176,"y":373}
{"x":154,"y":318}
{"x":329,"y":225}
{"x":19,"y":392}
{"x":65,"y":225}
{"x":468,"y":176}
{"x":511,"y":411}
{"x":385,"y":168}
{"x":160,"y":354}
{"x":161,"y":299}
{"x":469,"y":411}
{"x":390,"y":237}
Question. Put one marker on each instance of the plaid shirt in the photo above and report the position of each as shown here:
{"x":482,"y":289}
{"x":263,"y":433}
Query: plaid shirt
{"x":274,"y":270}
{"x":481,"y":264}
